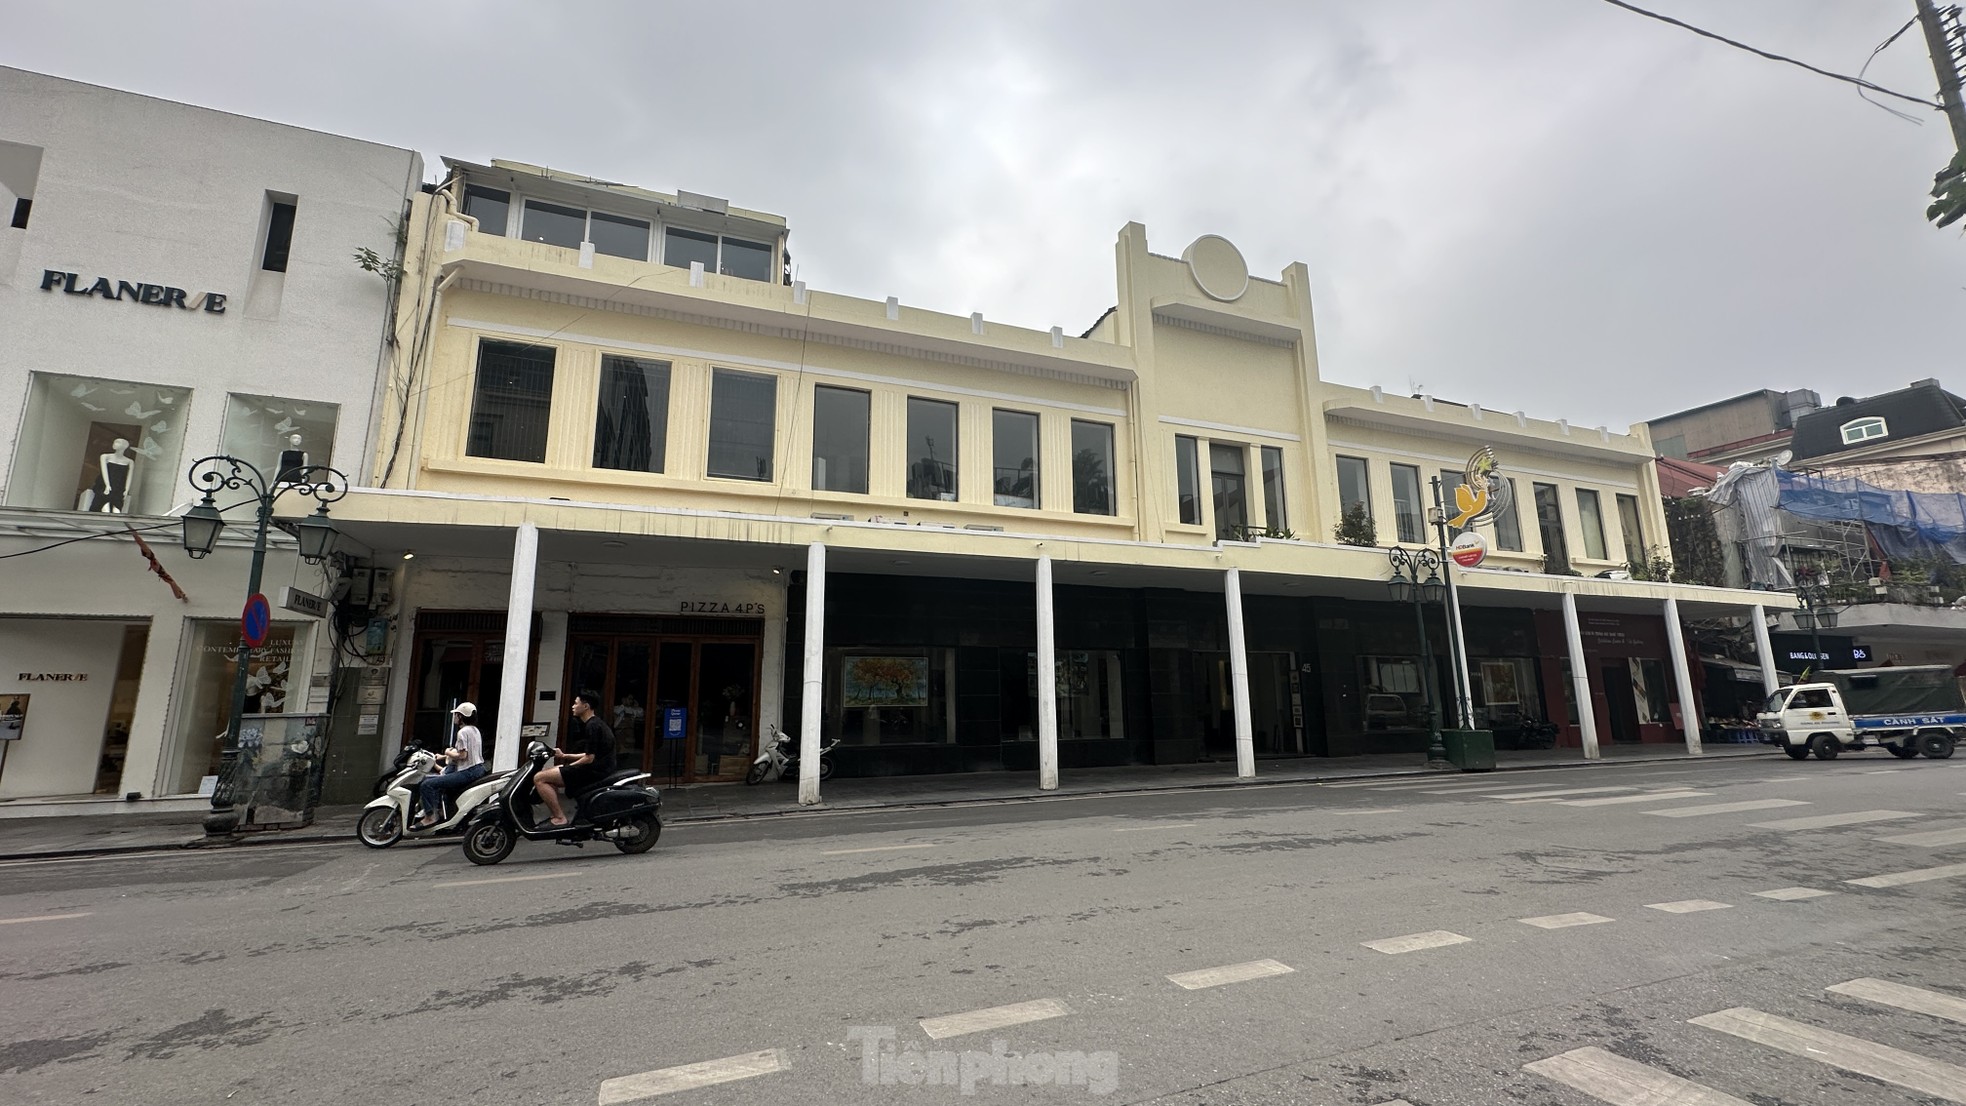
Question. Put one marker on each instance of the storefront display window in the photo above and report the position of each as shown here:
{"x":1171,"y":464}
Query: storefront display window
{"x":1089,"y":702}
{"x":1649,"y":689}
{"x":279,"y":435}
{"x":1394,"y":695}
{"x":102,"y":446}
{"x":205,"y":693}
{"x":891,"y":696}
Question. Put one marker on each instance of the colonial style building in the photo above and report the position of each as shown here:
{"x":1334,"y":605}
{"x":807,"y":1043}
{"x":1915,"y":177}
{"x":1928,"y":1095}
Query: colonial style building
{"x":621,"y":449}
{"x":175,"y":282}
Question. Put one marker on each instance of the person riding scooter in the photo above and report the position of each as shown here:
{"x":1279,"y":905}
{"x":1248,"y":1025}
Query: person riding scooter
{"x":464,"y":765}
{"x":575,"y":772}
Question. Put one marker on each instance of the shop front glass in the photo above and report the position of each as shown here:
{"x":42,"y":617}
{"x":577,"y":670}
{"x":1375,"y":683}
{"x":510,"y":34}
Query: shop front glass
{"x":205,"y":693}
{"x":891,"y":696}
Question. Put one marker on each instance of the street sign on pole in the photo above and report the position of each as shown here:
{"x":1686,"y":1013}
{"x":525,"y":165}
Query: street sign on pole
{"x":255,"y":620}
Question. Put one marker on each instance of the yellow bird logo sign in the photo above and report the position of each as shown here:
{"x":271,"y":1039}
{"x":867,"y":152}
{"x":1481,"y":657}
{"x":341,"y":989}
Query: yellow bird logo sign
{"x":1485,"y":493}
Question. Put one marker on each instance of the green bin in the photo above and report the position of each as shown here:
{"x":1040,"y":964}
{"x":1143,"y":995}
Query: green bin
{"x":1470,"y":750}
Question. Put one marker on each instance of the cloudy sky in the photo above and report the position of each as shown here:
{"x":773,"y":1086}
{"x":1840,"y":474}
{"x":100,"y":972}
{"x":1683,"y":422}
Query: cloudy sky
{"x":1551,"y":205}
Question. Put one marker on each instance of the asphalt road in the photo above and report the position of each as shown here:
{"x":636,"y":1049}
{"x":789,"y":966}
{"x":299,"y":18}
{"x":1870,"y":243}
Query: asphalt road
{"x":1355,"y":944}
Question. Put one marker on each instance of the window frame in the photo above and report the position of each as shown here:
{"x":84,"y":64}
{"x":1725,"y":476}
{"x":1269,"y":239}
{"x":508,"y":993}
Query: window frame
{"x":1187,"y":479}
{"x":1861,"y":428}
{"x":1590,"y":524}
{"x":1419,"y":513}
{"x":1511,"y":542}
{"x":1364,"y":484}
{"x":1544,"y":526}
{"x":866,"y":440}
{"x":1276,"y":504}
{"x":1228,"y":531}
{"x":504,"y":227}
{"x":710,"y":436}
{"x":526,"y":204}
{"x":1111,"y":507}
{"x":953,"y":465}
{"x":1036,"y":459}
{"x":477,"y":372}
{"x":659,"y":460}
{"x":1632,"y":527}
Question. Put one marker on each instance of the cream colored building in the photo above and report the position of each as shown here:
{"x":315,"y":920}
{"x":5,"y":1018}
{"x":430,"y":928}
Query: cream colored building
{"x":621,"y":444}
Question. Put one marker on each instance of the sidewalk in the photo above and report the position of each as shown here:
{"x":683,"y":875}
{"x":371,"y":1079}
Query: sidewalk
{"x":82,"y":835}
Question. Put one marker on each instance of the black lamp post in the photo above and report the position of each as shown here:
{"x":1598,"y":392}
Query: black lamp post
{"x":202,"y":525}
{"x":1409,"y":586}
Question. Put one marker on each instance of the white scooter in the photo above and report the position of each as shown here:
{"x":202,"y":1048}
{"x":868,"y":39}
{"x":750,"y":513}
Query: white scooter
{"x":781,"y":755}
{"x":387,"y":820}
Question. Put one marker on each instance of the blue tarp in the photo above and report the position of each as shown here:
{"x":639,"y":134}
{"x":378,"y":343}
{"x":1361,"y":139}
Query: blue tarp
{"x":1904,"y":523}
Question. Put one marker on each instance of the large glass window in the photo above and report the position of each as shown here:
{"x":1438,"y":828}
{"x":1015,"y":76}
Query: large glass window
{"x":1354,"y":485}
{"x":279,"y":435}
{"x":1014,"y":456}
{"x":204,"y":696}
{"x":682,"y":247}
{"x":1187,"y":479}
{"x":1634,"y":534}
{"x":489,"y":206}
{"x":1092,"y":468}
{"x":1508,"y":528}
{"x":1590,"y":518}
{"x":891,"y":696}
{"x":105,"y":446}
{"x":1230,"y":483}
{"x":743,"y":419}
{"x":1649,"y":689}
{"x":839,"y":440}
{"x":619,"y":236}
{"x":1407,"y":514}
{"x":631,"y":424}
{"x":1274,"y":512}
{"x":931,"y":449}
{"x":736,"y":257}
{"x":1549,"y":520}
{"x":1090,"y":705}
{"x":747,"y":260}
{"x":512,"y":401}
{"x":553,"y":224}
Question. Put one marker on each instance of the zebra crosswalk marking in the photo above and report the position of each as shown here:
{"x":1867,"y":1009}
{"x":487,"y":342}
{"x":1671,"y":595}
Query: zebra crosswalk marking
{"x":1915,"y":999}
{"x":1725,"y":808}
{"x":1916,"y":875}
{"x":1611,"y":1078}
{"x":1930,"y":839}
{"x":1854,"y":1054}
{"x":1825,"y":821}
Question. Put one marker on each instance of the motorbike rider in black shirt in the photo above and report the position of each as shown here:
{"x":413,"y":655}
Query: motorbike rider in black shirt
{"x":572,"y":773}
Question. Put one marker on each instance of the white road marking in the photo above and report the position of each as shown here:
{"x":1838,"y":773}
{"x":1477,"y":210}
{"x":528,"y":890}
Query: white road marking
{"x":686,"y":1077}
{"x":1370,"y":810}
{"x":1888,"y":771}
{"x":1792,"y":894}
{"x":1824,"y":821}
{"x":1553,"y":796}
{"x":1917,"y":875}
{"x":1414,"y":942}
{"x":1565,"y":921}
{"x":1914,"y":999}
{"x":878,"y":849}
{"x":503,"y":879}
{"x":45,"y":918}
{"x":1725,"y":808}
{"x":1380,"y":783}
{"x":1894,"y":1066}
{"x":1953,"y":836}
{"x":1621,"y":1082}
{"x":1662,"y":796}
{"x":1688,"y":906}
{"x":1496,"y":789}
{"x":152,"y":857}
{"x":1231,"y":973}
{"x":1162,"y":826}
{"x":1778,"y":779}
{"x":995,"y":1017}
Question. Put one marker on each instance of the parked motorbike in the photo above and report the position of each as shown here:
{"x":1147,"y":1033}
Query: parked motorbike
{"x":781,"y":755}
{"x":620,"y":809}
{"x":389,"y":819}
{"x":1538,"y":734}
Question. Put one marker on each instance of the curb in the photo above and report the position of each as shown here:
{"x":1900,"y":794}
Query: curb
{"x":916,"y":804}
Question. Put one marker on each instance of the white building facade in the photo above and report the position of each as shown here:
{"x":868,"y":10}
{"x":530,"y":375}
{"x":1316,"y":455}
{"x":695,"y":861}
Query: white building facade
{"x":175,"y":282}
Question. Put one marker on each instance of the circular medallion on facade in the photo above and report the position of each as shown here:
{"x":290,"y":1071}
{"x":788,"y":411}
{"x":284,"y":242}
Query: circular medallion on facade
{"x":1217,"y":266}
{"x":1469,"y":550}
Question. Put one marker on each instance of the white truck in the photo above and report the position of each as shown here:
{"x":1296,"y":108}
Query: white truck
{"x":1905,"y":710}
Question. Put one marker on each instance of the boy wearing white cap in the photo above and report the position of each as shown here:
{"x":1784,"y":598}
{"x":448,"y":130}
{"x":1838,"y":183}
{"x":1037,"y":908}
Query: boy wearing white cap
{"x":464,"y":762}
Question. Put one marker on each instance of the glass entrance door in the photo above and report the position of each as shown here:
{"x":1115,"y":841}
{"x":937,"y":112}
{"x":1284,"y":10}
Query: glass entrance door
{"x":640,"y":678}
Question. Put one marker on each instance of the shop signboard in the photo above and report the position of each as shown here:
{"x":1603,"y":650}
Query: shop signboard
{"x":1469,"y":550}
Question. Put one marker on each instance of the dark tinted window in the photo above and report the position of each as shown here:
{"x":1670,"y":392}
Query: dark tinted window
{"x":1226,"y":468}
{"x":511,"y":401}
{"x":839,"y":440}
{"x":631,"y":430}
{"x":1187,"y":479}
{"x":1354,"y":488}
{"x":22,"y":206}
{"x":1092,"y":468}
{"x":681,"y":247}
{"x":1273,"y":505}
{"x":1549,"y":519}
{"x":279,"y":237}
{"x":743,"y":416}
{"x":750,"y":260}
{"x":619,"y":237}
{"x":489,"y":206}
{"x":1014,"y":455}
{"x":931,"y":449}
{"x":554,"y":225}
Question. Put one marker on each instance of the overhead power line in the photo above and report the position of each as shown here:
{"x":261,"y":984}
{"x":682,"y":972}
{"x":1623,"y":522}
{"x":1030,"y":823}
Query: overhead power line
{"x":1703,"y":33}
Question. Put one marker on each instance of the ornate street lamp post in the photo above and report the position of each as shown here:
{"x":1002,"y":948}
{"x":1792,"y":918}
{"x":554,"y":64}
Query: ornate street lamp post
{"x":202,"y":525}
{"x":1817,"y":614}
{"x":1408,"y":586}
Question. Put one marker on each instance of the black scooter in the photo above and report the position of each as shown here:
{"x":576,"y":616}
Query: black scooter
{"x":620,"y":809}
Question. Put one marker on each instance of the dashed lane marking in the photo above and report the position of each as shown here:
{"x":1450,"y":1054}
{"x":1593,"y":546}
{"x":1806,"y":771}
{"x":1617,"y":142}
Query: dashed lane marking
{"x":1621,"y":1082}
{"x":1554,"y":796}
{"x":1231,"y":973}
{"x":1915,"y":999}
{"x":1725,"y":808}
{"x":1369,"y":810}
{"x":1494,"y":789}
{"x":686,"y":1077}
{"x":877,"y":849}
{"x":1688,"y":906}
{"x":1656,"y":797}
{"x":1415,"y":942}
{"x":45,"y":918}
{"x":1916,"y":875}
{"x":503,"y":879}
{"x":1825,"y":821}
{"x":1894,"y":1066}
{"x":995,"y":1017}
{"x":1953,"y":836}
{"x":1792,"y":894}
{"x":1565,"y":921}
{"x":1161,"y":826}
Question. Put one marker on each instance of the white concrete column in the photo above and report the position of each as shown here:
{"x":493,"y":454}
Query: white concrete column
{"x":810,"y":722}
{"x":1580,"y":677}
{"x":518,"y":648}
{"x":1047,"y":684}
{"x":1239,"y":677}
{"x":1689,"y":714}
{"x":1770,"y":681}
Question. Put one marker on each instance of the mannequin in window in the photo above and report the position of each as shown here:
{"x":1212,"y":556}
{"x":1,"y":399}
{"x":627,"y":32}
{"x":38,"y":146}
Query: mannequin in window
{"x":292,"y":460}
{"x":110,"y":493}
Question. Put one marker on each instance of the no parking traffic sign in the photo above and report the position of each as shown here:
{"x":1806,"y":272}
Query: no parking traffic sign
{"x":255,"y":620}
